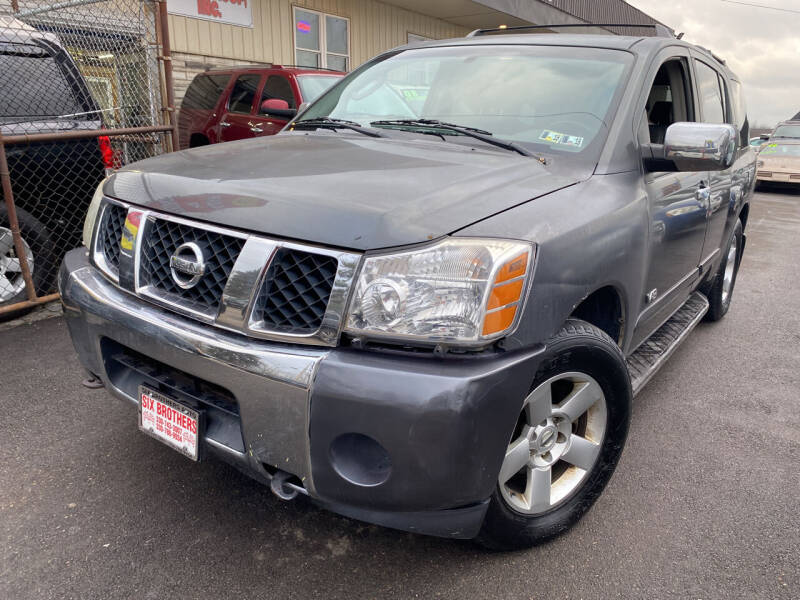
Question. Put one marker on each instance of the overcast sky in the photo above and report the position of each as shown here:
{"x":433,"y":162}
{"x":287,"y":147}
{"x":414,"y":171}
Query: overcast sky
{"x":762,"y":46}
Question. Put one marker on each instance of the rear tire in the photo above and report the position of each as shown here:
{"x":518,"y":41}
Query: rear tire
{"x":720,"y":293}
{"x":37,"y":239}
{"x":580,"y":358}
{"x":198,"y":140}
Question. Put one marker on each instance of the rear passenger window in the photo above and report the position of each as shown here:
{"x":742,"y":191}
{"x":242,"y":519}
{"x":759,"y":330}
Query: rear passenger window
{"x":244,"y":91}
{"x":711,"y":98}
{"x":204,"y":91}
{"x":27,"y":70}
{"x":280,"y":88}
{"x":740,"y":113}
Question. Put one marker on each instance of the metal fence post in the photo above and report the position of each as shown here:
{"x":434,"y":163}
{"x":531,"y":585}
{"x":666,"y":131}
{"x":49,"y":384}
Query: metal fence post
{"x":13,"y":223}
{"x":162,"y":24}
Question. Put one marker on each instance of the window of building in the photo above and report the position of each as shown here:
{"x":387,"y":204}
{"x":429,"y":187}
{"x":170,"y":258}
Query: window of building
{"x":711,"y":97}
{"x":321,"y":40}
{"x":243,"y":93}
{"x":278,"y":87}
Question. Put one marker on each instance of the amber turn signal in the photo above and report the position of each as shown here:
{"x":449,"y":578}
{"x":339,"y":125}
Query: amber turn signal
{"x":505,"y":296}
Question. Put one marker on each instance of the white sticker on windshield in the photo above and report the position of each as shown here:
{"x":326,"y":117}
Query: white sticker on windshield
{"x":555,"y":137}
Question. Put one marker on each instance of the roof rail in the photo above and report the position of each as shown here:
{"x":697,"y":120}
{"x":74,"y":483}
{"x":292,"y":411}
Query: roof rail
{"x":243,"y":66}
{"x":661,"y":30}
{"x":309,"y":68}
{"x":268,"y":66}
{"x":714,"y":56}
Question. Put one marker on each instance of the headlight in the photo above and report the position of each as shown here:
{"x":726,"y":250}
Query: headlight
{"x":91,"y":215}
{"x":459,"y":290}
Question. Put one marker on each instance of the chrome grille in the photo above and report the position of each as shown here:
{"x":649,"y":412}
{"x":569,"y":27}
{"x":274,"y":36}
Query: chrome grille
{"x":260,"y":287}
{"x":162,"y":238}
{"x":294,"y":295}
{"x":110,"y":235}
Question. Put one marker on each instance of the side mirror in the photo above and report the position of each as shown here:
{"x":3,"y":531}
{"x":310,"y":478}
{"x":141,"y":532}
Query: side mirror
{"x":700,"y":146}
{"x":764,"y":136}
{"x":277,"y":108}
{"x":693,"y":147}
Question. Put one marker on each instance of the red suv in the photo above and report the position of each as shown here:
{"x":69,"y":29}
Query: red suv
{"x":236,"y":103}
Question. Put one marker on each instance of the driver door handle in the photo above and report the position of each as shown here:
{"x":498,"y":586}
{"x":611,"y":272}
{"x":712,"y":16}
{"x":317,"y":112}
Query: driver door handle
{"x":703,"y":194}
{"x":224,"y":124}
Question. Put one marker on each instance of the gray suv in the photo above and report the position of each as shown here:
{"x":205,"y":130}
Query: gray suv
{"x":429,"y":302}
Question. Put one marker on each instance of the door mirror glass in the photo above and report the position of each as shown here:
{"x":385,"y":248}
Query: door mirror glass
{"x":700,"y":146}
{"x":277,"y":107}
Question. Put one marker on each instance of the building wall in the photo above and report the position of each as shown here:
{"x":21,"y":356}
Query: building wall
{"x":374,"y":27}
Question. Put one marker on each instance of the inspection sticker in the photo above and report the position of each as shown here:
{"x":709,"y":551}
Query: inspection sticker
{"x":555,"y":137}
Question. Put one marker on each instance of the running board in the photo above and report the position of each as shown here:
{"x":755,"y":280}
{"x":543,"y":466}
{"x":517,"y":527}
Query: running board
{"x":655,"y":350}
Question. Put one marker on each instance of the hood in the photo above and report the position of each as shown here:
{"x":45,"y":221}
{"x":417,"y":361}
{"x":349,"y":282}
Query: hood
{"x":344,"y":190}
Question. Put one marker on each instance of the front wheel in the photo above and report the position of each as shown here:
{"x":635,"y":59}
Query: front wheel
{"x":566,"y":442}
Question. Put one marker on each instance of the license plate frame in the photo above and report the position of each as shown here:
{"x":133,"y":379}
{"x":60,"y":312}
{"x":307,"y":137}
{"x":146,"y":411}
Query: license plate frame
{"x":174,"y":417}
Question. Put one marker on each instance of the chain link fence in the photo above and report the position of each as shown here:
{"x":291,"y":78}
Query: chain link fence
{"x":85,"y":87}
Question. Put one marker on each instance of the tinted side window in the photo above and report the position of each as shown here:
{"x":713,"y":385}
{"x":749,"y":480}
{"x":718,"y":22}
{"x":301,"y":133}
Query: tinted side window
{"x":280,"y":88}
{"x":710,"y":94}
{"x":244,"y":90}
{"x":740,"y":113}
{"x":204,"y":91}
{"x":34,"y":85}
{"x":668,"y":101}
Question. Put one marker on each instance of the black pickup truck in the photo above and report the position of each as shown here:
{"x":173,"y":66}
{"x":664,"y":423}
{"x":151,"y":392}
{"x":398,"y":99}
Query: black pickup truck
{"x":430,"y":301}
{"x":52,"y":181}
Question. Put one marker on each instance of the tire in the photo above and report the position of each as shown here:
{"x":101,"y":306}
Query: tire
{"x":720,"y":292}
{"x":37,"y":239}
{"x":198,"y":140}
{"x":579,"y":352}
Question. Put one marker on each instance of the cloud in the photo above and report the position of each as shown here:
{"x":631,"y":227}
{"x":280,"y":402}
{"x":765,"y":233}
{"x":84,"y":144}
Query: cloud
{"x":761,"y":46}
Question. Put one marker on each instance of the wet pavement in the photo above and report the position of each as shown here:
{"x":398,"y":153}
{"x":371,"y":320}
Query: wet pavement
{"x":705,"y":502}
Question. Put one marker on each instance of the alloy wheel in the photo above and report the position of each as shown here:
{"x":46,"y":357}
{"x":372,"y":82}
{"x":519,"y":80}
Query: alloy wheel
{"x":730,"y":269}
{"x":11,"y":281}
{"x":555,"y":444}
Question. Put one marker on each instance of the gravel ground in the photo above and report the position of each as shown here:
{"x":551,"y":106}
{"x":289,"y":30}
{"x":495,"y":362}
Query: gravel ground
{"x":704,"y":503}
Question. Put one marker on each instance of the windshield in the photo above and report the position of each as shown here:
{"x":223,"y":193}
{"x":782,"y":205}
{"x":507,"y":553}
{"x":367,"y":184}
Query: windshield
{"x":789,"y":131}
{"x":33,"y":84}
{"x":313,"y":86}
{"x":780,"y":150}
{"x":555,"y":100}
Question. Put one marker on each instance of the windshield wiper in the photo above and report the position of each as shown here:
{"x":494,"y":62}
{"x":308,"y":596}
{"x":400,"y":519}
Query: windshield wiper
{"x":473,"y":132}
{"x":327,"y":122}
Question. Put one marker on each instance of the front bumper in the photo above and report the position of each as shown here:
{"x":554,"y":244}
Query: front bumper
{"x":778,"y":177}
{"x":409,"y":442}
